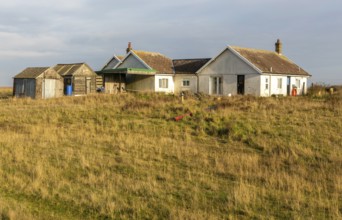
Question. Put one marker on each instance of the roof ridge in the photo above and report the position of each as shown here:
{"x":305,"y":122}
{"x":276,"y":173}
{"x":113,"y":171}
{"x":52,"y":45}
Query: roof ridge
{"x":255,"y":49}
{"x":149,"y":52}
{"x":38,"y":67}
{"x":193,"y":59}
{"x":64,"y":64}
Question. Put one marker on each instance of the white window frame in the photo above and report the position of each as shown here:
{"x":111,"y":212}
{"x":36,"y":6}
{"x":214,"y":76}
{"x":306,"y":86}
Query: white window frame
{"x":163,"y":83}
{"x":280,"y":83}
{"x":216,"y":85}
{"x":266,"y":84}
{"x":298,"y":83}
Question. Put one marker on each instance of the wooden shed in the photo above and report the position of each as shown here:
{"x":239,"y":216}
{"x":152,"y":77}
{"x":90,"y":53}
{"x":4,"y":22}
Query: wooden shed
{"x":79,"y":76}
{"x":38,"y":83}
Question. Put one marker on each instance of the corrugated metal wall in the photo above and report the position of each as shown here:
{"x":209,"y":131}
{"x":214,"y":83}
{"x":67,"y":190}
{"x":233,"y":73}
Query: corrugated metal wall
{"x":25,"y":88}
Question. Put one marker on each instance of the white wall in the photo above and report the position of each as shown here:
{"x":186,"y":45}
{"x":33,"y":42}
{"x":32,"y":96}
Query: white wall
{"x":278,"y":90}
{"x":301,"y":84}
{"x":274,"y":88}
{"x":178,"y":81}
{"x":169,"y":77}
{"x":265,"y":91}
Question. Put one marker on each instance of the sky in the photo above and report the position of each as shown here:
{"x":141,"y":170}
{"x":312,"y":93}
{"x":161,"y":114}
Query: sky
{"x":38,"y":33}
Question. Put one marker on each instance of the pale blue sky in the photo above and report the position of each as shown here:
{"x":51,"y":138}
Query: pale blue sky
{"x":46,"y":32}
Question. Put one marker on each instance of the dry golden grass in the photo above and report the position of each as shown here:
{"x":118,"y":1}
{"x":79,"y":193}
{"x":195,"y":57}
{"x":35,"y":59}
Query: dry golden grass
{"x":5,"y":92}
{"x":110,"y":157}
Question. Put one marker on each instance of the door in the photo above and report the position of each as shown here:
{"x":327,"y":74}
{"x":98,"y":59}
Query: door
{"x":88,"y":85}
{"x":288,"y":89}
{"x":68,"y":85}
{"x":49,"y":88}
{"x":241,"y":84}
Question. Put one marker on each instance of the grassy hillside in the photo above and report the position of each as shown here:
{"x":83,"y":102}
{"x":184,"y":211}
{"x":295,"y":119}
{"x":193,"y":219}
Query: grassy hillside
{"x":111,"y":157}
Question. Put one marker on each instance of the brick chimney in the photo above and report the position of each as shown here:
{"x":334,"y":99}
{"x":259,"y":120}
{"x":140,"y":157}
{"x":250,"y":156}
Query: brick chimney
{"x":279,"y":47}
{"x":129,"y":48}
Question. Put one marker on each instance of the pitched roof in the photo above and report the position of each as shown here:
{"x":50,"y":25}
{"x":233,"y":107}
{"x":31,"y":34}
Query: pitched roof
{"x":113,"y":62}
{"x":67,"y":69}
{"x":31,"y":72}
{"x":270,"y":62}
{"x":156,"y":61}
{"x":188,"y":66}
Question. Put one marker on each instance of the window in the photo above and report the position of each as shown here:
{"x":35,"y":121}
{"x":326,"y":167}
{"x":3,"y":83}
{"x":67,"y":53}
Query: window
{"x":266,"y":83}
{"x":186,"y":82}
{"x":216,"y":85}
{"x":280,"y":83}
{"x":163,"y":83}
{"x":298,"y":83}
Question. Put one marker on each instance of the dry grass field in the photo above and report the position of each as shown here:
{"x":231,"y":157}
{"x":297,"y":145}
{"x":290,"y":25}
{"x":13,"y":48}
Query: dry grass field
{"x":123,"y":157}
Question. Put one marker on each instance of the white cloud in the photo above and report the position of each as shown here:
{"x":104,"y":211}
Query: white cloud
{"x":17,"y":45}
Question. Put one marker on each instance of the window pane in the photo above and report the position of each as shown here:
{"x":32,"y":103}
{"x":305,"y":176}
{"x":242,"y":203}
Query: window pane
{"x":160,"y":83}
{"x":298,"y":83}
{"x":280,"y":82}
{"x":186,"y":82}
{"x":163,"y":83}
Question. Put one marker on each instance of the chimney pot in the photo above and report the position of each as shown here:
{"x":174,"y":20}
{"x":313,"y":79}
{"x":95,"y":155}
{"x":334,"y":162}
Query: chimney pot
{"x":279,"y":47}
{"x":129,"y":48}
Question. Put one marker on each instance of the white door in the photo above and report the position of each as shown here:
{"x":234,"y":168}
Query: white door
{"x":88,"y":85}
{"x":49,"y":88}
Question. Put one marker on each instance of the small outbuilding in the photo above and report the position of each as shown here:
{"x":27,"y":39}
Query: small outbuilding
{"x":79,"y":78}
{"x":38,"y":83}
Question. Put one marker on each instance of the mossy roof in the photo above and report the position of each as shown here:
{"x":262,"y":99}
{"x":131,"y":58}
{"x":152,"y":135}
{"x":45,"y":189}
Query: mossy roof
{"x":156,"y":61}
{"x":31,"y":72}
{"x":270,"y":62}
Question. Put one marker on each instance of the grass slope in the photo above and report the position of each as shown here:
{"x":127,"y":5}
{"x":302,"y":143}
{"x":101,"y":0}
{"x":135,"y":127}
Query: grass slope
{"x":110,"y":157}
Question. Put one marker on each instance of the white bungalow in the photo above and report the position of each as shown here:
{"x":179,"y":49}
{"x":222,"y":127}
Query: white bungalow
{"x":239,"y":71}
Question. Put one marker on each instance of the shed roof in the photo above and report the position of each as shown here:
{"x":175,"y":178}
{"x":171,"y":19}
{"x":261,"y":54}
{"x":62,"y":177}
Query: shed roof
{"x":31,"y":72}
{"x":188,"y":66}
{"x":156,"y":61}
{"x":270,"y":62}
{"x":70,"y":69}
